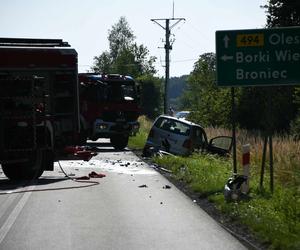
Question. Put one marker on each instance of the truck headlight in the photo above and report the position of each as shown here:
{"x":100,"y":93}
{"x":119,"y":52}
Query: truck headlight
{"x":102,"y":126}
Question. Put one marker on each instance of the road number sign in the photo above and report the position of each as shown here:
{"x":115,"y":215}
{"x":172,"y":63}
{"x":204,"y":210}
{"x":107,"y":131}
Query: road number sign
{"x":258,"y":57}
{"x":249,"y":40}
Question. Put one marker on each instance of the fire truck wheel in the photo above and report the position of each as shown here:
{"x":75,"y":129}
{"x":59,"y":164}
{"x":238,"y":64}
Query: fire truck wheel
{"x":119,"y":142}
{"x":32,"y":169}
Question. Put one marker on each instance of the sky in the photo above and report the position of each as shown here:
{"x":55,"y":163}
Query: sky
{"x":85,"y":25}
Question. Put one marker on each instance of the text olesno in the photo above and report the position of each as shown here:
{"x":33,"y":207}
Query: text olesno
{"x":267,"y":56}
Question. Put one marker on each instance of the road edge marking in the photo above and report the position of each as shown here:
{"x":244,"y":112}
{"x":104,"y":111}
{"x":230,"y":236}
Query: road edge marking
{"x":14,"y":215}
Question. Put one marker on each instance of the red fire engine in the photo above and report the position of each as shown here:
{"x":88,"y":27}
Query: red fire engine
{"x":109,"y":107}
{"x":39,"y":108}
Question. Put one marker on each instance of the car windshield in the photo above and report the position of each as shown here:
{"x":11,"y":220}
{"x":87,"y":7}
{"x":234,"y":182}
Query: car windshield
{"x":110,"y":92}
{"x":173,"y":126}
{"x":121,"y":92}
{"x":182,"y":114}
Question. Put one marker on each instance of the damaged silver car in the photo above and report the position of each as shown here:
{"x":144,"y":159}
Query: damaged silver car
{"x":182,"y":137}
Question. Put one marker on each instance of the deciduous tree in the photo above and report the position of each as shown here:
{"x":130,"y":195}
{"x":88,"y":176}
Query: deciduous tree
{"x":281,"y":13}
{"x":126,"y":57}
{"x":209,"y":103}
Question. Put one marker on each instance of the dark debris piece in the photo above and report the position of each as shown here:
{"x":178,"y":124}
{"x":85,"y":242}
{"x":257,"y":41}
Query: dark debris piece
{"x":166,"y":187}
{"x":143,"y":186}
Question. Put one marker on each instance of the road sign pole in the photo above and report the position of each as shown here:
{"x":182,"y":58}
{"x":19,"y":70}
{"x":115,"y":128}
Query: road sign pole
{"x":271,"y":129}
{"x":271,"y":164}
{"x":233,"y":131}
{"x":263,"y":162}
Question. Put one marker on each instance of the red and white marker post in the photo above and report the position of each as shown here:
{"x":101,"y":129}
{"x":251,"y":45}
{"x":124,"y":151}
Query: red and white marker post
{"x":246,"y":167}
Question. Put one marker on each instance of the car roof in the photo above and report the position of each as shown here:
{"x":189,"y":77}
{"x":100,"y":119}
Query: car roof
{"x":183,"y":112}
{"x":180,"y":120}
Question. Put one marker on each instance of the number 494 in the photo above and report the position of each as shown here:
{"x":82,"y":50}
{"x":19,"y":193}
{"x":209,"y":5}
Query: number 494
{"x":250,"y":40}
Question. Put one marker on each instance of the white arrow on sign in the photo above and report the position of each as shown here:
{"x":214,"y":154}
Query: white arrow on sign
{"x":226,"y":41}
{"x":225,"y":58}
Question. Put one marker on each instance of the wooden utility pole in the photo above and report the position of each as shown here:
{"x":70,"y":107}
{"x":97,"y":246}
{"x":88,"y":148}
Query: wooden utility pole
{"x":168,"y":47}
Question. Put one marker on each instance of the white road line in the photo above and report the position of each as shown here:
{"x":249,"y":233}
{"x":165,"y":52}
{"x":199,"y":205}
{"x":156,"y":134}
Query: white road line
{"x":14,"y":214}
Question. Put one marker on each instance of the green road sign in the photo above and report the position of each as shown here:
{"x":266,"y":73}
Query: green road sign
{"x":258,"y":57}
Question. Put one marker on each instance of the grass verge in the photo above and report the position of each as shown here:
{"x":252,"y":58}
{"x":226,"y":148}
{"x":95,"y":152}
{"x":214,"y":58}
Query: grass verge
{"x":273,"y":219}
{"x":138,"y":141}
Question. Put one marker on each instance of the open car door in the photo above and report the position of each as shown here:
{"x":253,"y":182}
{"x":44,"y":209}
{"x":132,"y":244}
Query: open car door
{"x":220,"y":145}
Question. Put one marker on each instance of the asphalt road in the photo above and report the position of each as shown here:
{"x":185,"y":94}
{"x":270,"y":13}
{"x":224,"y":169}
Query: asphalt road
{"x":130,"y":208}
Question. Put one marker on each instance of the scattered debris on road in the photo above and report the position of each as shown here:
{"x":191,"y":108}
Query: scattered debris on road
{"x":143,"y":186}
{"x":82,"y":178}
{"x":81,"y":152}
{"x":96,"y":175}
{"x":166,"y":187}
{"x":165,"y":170}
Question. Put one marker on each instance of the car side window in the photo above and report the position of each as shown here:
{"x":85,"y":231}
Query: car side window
{"x":223,"y":142}
{"x":161,"y":123}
